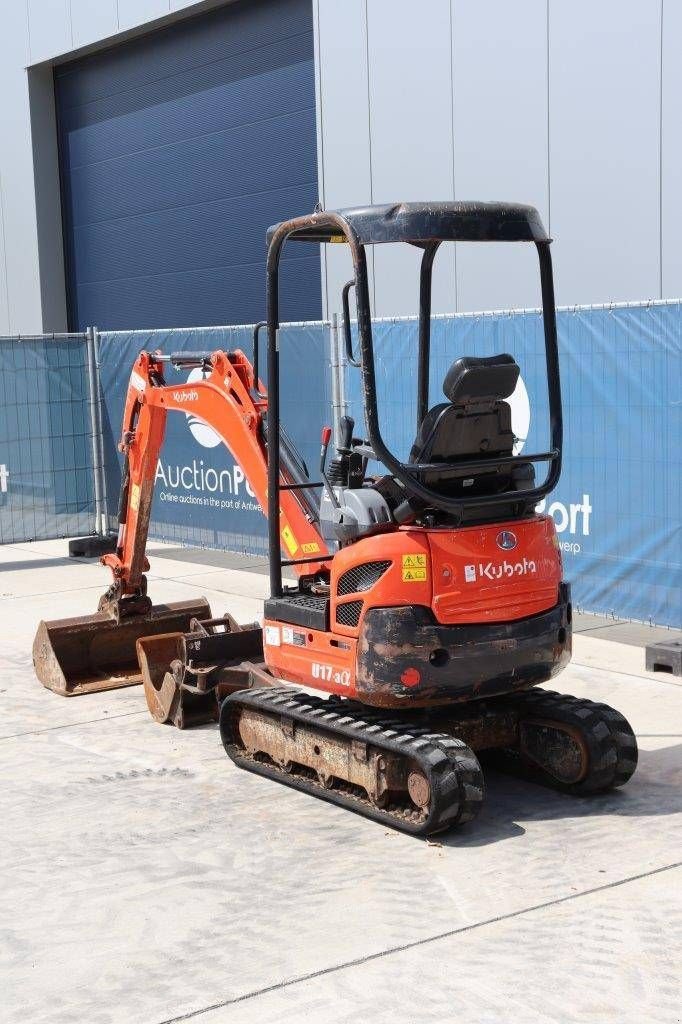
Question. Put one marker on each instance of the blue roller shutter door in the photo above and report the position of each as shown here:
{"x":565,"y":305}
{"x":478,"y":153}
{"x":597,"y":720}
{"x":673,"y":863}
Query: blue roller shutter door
{"x":177,"y":151}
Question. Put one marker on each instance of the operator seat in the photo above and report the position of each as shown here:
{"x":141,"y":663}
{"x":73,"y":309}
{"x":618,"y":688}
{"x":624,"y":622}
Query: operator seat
{"x":474,"y":423}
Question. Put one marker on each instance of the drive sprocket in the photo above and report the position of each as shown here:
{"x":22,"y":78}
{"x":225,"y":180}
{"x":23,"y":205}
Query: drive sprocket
{"x":572,"y":744}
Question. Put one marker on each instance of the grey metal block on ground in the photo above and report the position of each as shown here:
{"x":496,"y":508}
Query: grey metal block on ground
{"x":665,"y":657}
{"x":91,"y":547}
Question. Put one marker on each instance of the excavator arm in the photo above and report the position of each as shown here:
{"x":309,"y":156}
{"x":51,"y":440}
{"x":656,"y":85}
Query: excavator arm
{"x":233,"y":403}
{"x":100,"y":651}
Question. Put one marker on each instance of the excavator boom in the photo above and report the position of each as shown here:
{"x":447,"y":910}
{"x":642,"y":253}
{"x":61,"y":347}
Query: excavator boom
{"x":98,"y":652}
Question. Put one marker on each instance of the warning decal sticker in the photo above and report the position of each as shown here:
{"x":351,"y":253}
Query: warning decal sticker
{"x":414,"y":568}
{"x":289,"y":540}
{"x":271,"y":636}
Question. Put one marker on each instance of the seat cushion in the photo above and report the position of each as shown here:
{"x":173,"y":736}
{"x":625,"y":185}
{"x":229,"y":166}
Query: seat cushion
{"x":448,"y":432}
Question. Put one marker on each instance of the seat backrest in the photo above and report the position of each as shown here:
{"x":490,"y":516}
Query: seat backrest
{"x":475,"y":422}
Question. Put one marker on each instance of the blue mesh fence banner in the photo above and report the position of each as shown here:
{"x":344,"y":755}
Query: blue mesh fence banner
{"x":201,"y":497}
{"x":46,"y":465}
{"x":617,"y":508}
{"x":618,"y":505}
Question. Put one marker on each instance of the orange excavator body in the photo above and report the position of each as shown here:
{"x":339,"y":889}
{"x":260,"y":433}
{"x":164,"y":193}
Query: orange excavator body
{"x":435,"y":590}
{"x":458,"y":576}
{"x":461,"y":576}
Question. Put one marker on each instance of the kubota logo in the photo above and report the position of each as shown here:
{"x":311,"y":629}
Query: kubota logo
{"x":506,"y":540}
{"x":498,"y":570}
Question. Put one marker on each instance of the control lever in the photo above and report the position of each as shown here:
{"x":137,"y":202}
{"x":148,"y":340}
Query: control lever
{"x":326,"y":438}
{"x":346,"y":425}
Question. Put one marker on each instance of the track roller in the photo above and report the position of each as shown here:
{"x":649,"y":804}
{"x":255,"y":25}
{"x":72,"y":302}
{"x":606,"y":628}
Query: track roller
{"x":417,"y":781}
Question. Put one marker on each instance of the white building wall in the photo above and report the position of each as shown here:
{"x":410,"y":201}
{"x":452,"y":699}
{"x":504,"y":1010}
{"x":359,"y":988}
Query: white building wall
{"x":93,"y":21}
{"x":344,"y":159}
{"x":20,"y":302}
{"x":542,"y":101}
{"x":671,"y":150}
{"x":605,"y":104}
{"x":410,"y":118}
{"x":500,"y":138}
{"x":570,"y":106}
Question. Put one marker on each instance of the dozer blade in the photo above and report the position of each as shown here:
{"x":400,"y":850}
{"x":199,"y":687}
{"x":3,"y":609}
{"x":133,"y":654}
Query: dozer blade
{"x":95,"y":652}
{"x":187,"y":675}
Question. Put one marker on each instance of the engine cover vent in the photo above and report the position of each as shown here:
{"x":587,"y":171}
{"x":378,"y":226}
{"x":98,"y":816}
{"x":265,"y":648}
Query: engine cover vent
{"x":361,"y":577}
{"x":348,"y":614}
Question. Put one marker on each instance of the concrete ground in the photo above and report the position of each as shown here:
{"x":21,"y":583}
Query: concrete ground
{"x":145,"y":880}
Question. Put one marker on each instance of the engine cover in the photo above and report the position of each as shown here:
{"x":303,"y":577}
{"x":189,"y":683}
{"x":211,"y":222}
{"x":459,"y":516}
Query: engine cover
{"x":405,"y":657}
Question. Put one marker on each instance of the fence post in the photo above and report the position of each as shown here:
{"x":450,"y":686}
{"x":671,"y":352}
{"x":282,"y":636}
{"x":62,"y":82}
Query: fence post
{"x":93,"y":388}
{"x":100,"y":436}
{"x":338,"y":381}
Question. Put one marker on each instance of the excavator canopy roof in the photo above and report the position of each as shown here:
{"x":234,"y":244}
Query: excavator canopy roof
{"x":421,"y":223}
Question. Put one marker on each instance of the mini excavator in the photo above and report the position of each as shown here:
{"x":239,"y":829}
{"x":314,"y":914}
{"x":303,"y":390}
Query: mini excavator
{"x":429,"y":601}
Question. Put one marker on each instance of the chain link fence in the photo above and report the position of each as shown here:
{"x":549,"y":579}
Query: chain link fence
{"x":50,"y":441}
{"x":617,"y":508}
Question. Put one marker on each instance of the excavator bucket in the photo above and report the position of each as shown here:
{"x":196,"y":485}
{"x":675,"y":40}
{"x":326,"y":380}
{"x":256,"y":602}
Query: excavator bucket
{"x":187,"y":675}
{"x":96,"y":652}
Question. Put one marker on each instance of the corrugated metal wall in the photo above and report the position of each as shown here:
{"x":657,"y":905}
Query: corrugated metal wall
{"x":177,"y":151}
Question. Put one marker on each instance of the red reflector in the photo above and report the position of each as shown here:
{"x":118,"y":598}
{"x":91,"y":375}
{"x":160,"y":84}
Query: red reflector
{"x":410,"y":677}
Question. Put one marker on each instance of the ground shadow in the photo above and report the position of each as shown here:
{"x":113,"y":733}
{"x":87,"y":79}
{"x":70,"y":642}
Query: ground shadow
{"x":39,"y":563}
{"x":654,"y":790}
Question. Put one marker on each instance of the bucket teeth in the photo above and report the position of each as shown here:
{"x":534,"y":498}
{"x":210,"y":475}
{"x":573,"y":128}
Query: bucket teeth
{"x":91,"y":653}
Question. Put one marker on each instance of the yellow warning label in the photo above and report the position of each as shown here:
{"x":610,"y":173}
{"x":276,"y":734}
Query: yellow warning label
{"x":135,"y":497}
{"x":414,"y":568}
{"x":338,"y":238}
{"x":311,"y":548}
{"x":290,"y":540}
{"x":414,"y":575}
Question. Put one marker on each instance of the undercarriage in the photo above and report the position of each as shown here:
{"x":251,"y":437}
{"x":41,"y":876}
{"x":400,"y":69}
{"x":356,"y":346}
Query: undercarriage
{"x":420,"y":772}
{"x":417,"y":770}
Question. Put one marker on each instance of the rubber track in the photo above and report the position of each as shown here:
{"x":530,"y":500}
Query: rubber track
{"x":452,"y":768}
{"x":609,"y":738}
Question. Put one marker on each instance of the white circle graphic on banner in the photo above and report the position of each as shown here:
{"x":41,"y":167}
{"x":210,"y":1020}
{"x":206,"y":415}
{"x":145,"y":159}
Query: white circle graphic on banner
{"x":520,"y":414}
{"x":518,"y":402}
{"x":201,"y":432}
